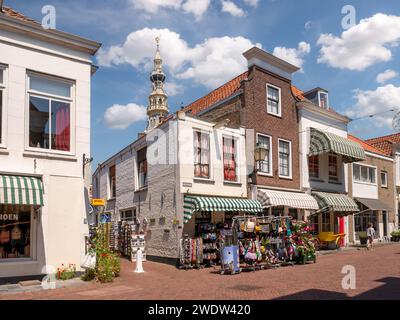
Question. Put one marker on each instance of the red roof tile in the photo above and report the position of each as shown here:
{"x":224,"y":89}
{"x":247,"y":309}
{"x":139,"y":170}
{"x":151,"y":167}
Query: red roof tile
{"x":17,"y":15}
{"x":219,"y":94}
{"x":366,"y":146}
{"x":385,"y":143}
{"x":298,"y":93}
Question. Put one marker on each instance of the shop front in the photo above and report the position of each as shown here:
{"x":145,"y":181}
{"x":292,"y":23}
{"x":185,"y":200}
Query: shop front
{"x":21,"y":199}
{"x":333,"y":214}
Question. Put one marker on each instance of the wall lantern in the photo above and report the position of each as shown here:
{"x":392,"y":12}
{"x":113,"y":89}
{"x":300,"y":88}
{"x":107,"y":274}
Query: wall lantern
{"x":260,"y":153}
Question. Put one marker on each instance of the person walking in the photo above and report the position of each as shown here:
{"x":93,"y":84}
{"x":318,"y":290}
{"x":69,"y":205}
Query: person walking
{"x":370,"y":235}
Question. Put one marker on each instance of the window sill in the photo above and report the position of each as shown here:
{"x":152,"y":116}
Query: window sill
{"x":316,"y":180}
{"x":286,"y":178}
{"x":235,"y":183}
{"x":366,"y":183}
{"x":275,"y":114}
{"x":334,"y":182}
{"x":142,"y":189}
{"x":112,"y":199}
{"x":18,"y":261}
{"x":264,"y":174}
{"x":203,"y":180}
{"x":49,"y":156}
{"x":4,"y":152}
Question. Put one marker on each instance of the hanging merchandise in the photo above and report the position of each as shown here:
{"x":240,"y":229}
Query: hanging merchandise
{"x":190,"y":252}
{"x":138,"y":242}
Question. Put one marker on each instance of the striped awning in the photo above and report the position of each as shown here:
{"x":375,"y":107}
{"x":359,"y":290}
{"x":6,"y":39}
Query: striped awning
{"x":196,"y":203}
{"x":299,"y":200}
{"x":21,"y":190}
{"x":325,"y":142}
{"x":336,"y":202}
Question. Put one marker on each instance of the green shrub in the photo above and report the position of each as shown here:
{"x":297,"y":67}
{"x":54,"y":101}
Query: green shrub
{"x":395,"y":234}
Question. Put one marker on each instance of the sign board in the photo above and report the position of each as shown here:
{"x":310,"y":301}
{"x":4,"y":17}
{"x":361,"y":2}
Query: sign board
{"x":98,"y":202}
{"x":187,"y":184}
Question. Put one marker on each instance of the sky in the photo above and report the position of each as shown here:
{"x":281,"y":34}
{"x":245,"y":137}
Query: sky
{"x":353,"y":52}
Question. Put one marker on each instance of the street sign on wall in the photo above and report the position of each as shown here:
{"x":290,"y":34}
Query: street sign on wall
{"x":98,"y":202}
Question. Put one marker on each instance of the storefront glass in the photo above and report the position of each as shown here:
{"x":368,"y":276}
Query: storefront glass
{"x":15,"y":232}
{"x":362,"y":220}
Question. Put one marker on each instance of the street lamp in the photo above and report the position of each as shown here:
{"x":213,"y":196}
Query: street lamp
{"x":260,"y":153}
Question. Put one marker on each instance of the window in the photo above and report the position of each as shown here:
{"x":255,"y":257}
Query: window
{"x":112,"y":181}
{"x":364,"y":173}
{"x":284,"y":158}
{"x":273,"y":100}
{"x":142,"y":167}
{"x":49,"y":113}
{"x":15,"y":232}
{"x":2,"y":117}
{"x":128,"y":215}
{"x":323,"y":100}
{"x":265,"y":166}
{"x":362,"y":220}
{"x":313,"y":166}
{"x":201,"y":145}
{"x":384,"y":182}
{"x":326,"y":222}
{"x":333,"y":168}
{"x":230,"y":164}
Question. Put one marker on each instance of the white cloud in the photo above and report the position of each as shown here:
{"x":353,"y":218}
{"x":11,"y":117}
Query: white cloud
{"x":173,"y":89}
{"x":253,"y":3}
{"x":197,"y":7}
{"x":231,"y":8}
{"x":122,"y":116}
{"x":362,"y":45}
{"x":386,"y":75}
{"x":307,"y":26}
{"x":152,"y":6}
{"x":376,"y":101}
{"x":293,"y":55}
{"x":211,"y":63}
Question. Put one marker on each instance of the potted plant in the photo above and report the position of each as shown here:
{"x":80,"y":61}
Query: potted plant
{"x":363,"y":237}
{"x":395,"y":236}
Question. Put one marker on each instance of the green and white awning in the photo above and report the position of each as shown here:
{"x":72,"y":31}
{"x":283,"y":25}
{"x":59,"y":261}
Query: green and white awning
{"x":336,"y":202}
{"x":196,"y":203}
{"x":18,"y":190}
{"x":325,"y":142}
{"x":299,"y":200}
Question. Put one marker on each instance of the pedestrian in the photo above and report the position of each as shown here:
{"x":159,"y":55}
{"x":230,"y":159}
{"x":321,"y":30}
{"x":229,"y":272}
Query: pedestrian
{"x":370,"y":235}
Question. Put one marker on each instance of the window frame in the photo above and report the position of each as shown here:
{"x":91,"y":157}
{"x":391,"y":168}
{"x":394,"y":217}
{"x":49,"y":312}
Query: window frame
{"x":208,"y":133}
{"x":333,"y":178}
{"x":51,"y":97}
{"x":279,"y":114}
{"x":385,"y":173}
{"x":139,"y":186}
{"x":3,"y":89}
{"x":134,"y":214}
{"x":270,"y":173}
{"x":317,"y":165}
{"x":327,"y":99}
{"x":110,"y":193}
{"x":290,"y":176}
{"x":236,"y":159}
{"x":368,"y":174}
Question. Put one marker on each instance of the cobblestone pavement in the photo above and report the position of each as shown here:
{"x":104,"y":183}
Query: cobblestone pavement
{"x":377,"y":277}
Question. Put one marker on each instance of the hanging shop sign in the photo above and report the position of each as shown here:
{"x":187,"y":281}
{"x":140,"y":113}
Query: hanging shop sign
{"x":8,"y":217}
{"x":98,"y":202}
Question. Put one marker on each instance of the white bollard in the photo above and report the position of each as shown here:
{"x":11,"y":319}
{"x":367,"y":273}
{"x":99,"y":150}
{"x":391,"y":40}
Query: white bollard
{"x":139,"y":261}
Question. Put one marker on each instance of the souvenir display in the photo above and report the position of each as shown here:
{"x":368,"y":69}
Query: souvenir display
{"x":191,"y":252}
{"x":138,"y":242}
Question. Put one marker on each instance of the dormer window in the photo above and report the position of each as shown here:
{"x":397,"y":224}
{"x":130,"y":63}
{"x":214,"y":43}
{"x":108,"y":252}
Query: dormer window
{"x":323,"y":100}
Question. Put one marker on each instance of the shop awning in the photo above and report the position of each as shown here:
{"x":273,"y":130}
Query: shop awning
{"x":197,"y":203}
{"x":336,"y":202}
{"x":374,"y":204}
{"x":21,"y":190}
{"x":325,"y":142}
{"x":272,"y":198}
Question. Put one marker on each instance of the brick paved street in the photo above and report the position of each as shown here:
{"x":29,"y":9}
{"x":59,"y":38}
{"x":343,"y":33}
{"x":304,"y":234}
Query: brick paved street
{"x":378,"y":277}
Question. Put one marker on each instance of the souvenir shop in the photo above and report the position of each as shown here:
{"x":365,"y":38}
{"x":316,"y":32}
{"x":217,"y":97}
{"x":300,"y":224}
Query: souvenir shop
{"x":238,"y":240}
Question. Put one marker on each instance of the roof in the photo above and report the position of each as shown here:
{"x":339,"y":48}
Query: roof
{"x":385,"y":143}
{"x":366,"y":146}
{"x":15,"y":14}
{"x":224,"y":92}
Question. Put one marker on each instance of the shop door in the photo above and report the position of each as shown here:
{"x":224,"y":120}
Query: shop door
{"x":341,"y":229}
{"x":385,"y":219}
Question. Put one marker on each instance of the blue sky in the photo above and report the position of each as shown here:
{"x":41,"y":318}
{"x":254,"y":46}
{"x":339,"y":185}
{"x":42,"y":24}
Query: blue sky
{"x":202,"y":42}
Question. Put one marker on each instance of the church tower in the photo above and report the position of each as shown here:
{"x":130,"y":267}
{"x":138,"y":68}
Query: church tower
{"x":158,"y":100}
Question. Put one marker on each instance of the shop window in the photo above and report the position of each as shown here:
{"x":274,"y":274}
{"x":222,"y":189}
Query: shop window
{"x":128,"y":215}
{"x":273,"y":100}
{"x":285,"y":158}
{"x":364,"y":173}
{"x":314,"y":223}
{"x":201,"y":145}
{"x":362,"y":220}
{"x":333,"y":168}
{"x":230,"y":161}
{"x":15,"y":232}
{"x":265,"y":166}
{"x":278,"y":211}
{"x":293,"y":212}
{"x":326,"y":222}
{"x":384,"y":182}
{"x":313,"y":166}
{"x":49,"y":113}
{"x":142,"y":167}
{"x":112,"y":181}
